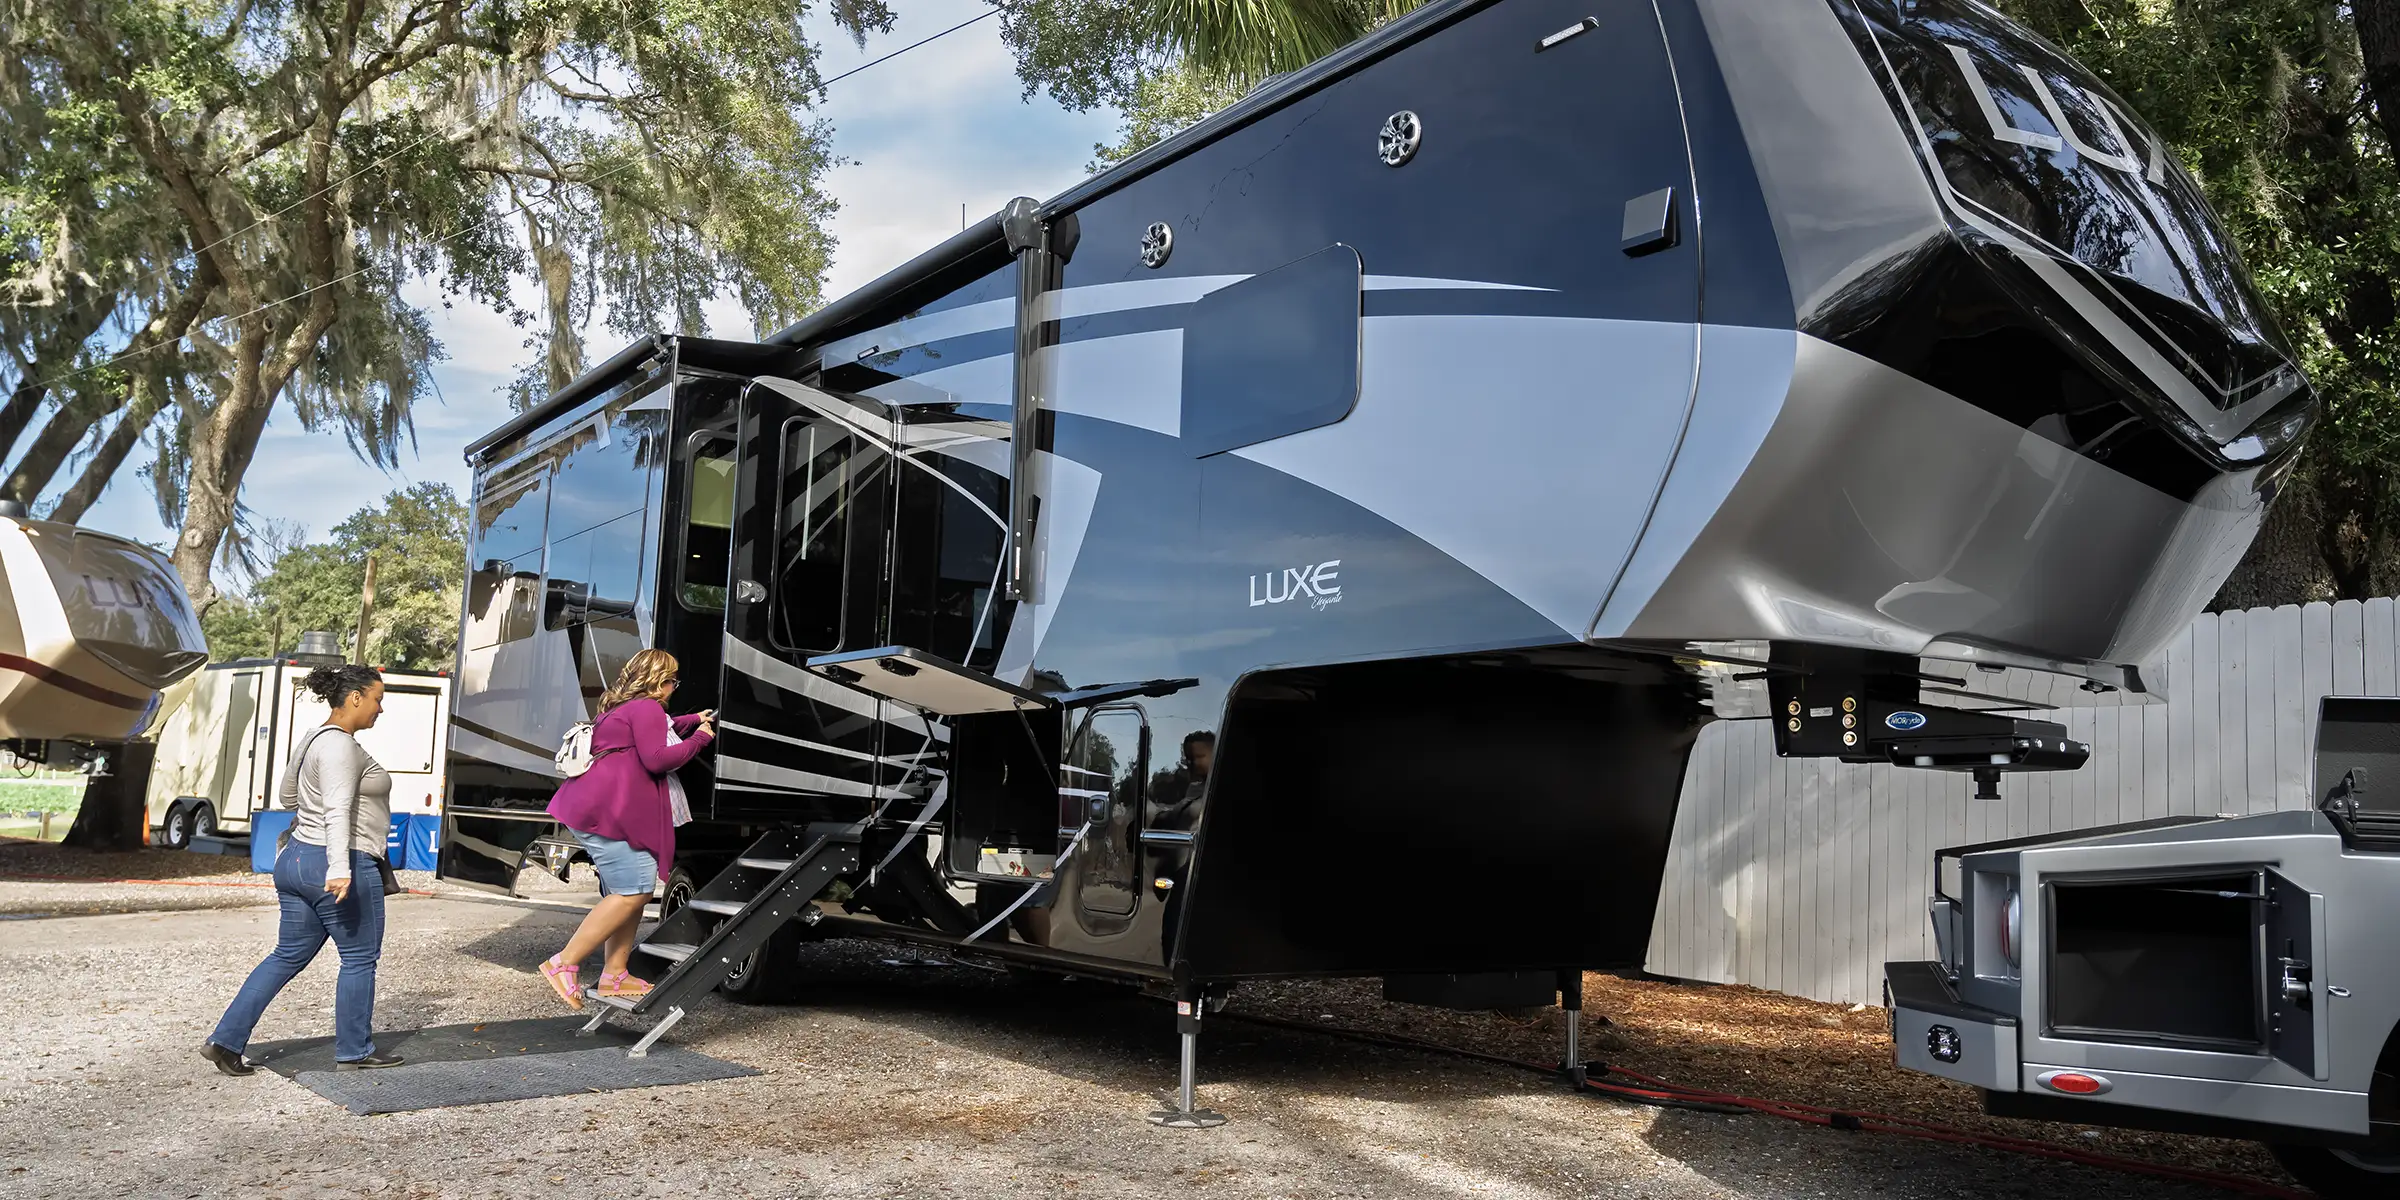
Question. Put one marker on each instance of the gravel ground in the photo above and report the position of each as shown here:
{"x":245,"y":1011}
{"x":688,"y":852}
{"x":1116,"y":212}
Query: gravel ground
{"x":894,"y":1079}
{"x":42,"y":879}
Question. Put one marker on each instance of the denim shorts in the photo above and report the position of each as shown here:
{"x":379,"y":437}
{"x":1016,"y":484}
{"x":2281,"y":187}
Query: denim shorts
{"x":624,"y":871}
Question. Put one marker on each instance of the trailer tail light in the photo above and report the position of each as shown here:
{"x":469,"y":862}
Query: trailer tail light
{"x":2073,"y":1083}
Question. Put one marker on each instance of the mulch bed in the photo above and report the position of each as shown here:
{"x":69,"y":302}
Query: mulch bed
{"x":1737,"y":1040}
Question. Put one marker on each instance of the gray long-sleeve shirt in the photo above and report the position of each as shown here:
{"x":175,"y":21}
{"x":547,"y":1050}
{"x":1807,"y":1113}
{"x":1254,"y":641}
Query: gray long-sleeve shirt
{"x":341,"y":797}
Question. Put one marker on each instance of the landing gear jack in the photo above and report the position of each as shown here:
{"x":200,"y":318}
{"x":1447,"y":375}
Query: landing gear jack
{"x":1185,"y":1114}
{"x":1570,"y":998}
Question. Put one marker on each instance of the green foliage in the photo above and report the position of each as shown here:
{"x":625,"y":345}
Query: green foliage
{"x":418,"y":538}
{"x":1165,"y":102}
{"x":1128,"y":53}
{"x":2266,"y":102}
{"x":234,"y":193}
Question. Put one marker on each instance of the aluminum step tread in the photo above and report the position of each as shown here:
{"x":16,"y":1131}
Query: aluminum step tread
{"x":767,"y":864}
{"x":722,"y":908}
{"x":671,"y":951}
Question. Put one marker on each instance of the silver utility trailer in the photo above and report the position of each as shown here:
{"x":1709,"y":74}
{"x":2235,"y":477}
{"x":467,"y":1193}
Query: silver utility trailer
{"x":2227,"y":976}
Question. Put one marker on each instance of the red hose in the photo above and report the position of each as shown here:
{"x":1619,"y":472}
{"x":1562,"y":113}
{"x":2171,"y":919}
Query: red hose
{"x":1658,"y":1091}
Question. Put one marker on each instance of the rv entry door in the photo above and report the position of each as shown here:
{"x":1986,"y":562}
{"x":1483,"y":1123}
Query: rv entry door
{"x":811,"y":532}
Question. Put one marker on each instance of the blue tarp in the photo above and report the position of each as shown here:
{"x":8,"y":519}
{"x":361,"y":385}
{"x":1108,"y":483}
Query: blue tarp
{"x":414,"y":842}
{"x":266,"y":826}
{"x":424,"y":842}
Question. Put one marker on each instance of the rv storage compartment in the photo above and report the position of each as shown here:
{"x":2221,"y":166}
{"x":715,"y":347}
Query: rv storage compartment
{"x":1004,"y":795}
{"x":2162,"y":960}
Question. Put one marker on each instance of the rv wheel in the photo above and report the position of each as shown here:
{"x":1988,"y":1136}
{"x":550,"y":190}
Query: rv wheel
{"x":2343,"y":1174}
{"x":204,"y":820}
{"x":176,"y":834}
{"x":748,"y":984}
{"x":770,"y":974}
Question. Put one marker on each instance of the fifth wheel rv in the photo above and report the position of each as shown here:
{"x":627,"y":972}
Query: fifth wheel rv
{"x":1397,"y":468}
{"x":94,"y":632}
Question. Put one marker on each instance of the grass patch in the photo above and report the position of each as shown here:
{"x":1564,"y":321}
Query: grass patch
{"x":18,"y":795}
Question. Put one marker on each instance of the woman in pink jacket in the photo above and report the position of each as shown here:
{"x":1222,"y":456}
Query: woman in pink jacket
{"x":619,"y":810}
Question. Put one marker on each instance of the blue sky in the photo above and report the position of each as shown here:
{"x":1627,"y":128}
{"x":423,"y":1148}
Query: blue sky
{"x":940,"y":126}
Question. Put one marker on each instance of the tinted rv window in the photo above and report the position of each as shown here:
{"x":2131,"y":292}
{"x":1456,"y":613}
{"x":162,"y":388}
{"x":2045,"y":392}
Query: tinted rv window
{"x":596,"y":518}
{"x":504,"y":593}
{"x":1273,"y":355}
{"x":708,"y":526}
{"x":823,"y":465}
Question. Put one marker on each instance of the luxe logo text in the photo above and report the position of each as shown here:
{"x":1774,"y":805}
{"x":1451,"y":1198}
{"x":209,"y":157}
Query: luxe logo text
{"x":1314,"y":583}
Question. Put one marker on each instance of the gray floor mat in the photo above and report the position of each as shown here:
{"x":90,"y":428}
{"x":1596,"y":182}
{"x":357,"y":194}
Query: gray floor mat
{"x":448,"y":1084}
{"x":446,"y":1043}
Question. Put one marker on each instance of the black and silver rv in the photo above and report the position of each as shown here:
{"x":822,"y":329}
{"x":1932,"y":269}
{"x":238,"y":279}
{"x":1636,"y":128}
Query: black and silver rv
{"x":1311,"y":547}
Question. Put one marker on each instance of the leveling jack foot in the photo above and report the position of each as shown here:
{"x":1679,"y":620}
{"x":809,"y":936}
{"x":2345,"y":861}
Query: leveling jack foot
{"x":1183,"y":1112}
{"x":1198,"y":1118}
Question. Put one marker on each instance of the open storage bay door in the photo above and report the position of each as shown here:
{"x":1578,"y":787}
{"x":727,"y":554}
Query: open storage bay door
{"x":2293,"y":919}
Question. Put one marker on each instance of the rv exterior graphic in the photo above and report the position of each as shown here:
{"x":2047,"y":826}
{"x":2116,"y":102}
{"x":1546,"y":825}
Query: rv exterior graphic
{"x":1375,"y":487}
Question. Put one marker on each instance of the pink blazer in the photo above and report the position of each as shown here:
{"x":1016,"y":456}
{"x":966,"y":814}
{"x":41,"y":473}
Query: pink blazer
{"x":624,"y":794}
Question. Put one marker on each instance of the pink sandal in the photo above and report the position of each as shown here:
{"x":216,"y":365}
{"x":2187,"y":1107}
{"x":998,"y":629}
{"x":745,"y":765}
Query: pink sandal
{"x":622,"y":983}
{"x":562,"y":977}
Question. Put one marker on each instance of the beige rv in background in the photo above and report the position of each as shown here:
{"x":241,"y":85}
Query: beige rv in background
{"x":95,"y":636}
{"x":221,"y":753}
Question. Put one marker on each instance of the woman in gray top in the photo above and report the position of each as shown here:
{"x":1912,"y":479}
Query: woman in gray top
{"x":329,"y":877}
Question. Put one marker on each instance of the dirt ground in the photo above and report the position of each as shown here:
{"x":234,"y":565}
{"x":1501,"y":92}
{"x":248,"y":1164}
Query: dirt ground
{"x":896,"y":1078}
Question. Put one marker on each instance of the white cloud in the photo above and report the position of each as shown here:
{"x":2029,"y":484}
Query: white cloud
{"x":935,"y":128}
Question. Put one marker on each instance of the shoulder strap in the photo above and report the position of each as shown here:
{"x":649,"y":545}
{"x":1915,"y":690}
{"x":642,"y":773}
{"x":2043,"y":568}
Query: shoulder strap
{"x":291,"y":779}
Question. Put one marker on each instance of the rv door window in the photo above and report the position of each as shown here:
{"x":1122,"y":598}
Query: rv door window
{"x":707,"y":525}
{"x":1103,"y":785}
{"x":824,"y":463}
{"x":1273,"y":355}
{"x":506,"y":547}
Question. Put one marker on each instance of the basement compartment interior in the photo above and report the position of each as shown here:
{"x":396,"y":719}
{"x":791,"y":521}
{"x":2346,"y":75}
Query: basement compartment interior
{"x":2165,"y":960}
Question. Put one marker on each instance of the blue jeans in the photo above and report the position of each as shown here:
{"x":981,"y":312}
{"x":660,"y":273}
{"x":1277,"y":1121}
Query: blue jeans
{"x":310,"y":915}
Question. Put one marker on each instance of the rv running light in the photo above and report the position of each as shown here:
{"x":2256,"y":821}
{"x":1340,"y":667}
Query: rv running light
{"x":2012,"y":929}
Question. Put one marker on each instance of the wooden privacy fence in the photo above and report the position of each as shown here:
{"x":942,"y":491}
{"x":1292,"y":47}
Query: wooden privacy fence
{"x":1805,"y":876}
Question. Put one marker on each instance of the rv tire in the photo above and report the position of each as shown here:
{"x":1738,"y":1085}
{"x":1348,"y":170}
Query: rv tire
{"x":175,"y":833}
{"x":771,"y":974}
{"x":2343,"y":1174}
{"x":767,"y":975}
{"x":204,"y":819}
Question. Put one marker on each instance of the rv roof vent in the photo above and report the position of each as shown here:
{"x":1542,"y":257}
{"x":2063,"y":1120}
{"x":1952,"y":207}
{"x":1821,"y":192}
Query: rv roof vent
{"x":318,"y":648}
{"x":13,"y":508}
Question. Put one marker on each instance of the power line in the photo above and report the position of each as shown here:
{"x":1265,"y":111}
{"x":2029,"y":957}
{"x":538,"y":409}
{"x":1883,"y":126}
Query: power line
{"x":553,"y":197}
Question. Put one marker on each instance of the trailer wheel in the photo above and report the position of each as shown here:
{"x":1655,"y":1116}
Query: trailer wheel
{"x":176,"y":834}
{"x":2343,"y":1174}
{"x":204,"y":819}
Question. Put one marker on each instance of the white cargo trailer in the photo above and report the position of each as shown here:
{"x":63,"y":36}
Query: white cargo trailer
{"x":221,"y":753}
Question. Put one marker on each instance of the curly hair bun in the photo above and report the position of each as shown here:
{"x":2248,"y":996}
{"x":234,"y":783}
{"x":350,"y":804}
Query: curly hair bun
{"x":333,"y":685}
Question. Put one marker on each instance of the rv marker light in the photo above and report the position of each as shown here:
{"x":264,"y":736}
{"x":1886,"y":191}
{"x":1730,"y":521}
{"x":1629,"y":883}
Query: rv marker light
{"x":2073,"y":1083}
